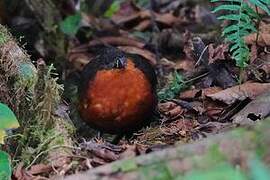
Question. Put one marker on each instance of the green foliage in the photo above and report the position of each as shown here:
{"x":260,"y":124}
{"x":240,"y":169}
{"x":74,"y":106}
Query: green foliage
{"x":7,"y":121}
{"x":71,"y":24}
{"x":127,"y":165}
{"x":258,"y":170}
{"x":114,"y":7}
{"x":223,"y":171}
{"x":243,"y":18}
{"x":27,"y":76}
{"x":142,"y":3}
{"x":5,"y":169}
{"x":175,"y":87}
{"x":157,"y":171}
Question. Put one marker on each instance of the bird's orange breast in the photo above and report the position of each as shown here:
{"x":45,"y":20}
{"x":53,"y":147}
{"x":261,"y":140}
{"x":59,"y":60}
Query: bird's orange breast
{"x":118,"y":99}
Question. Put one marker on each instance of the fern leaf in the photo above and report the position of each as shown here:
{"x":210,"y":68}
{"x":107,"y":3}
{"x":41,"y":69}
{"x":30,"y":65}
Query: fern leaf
{"x":242,"y":17}
{"x":231,"y":17}
{"x":261,"y":5}
{"x":227,"y":7}
{"x":226,"y":1}
{"x":250,"y":12}
{"x":232,"y":37}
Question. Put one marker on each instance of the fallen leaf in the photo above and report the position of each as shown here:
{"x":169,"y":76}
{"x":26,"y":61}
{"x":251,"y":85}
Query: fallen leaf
{"x":21,"y":174}
{"x":240,"y":92}
{"x":79,"y":60}
{"x":167,"y":19}
{"x":171,"y":110}
{"x":142,"y":26}
{"x":217,"y":53}
{"x":128,"y":11}
{"x":261,"y":39}
{"x":185,"y":64}
{"x":253,"y":53}
{"x":199,"y":93}
{"x":180,"y":127}
{"x":213,"y":109}
{"x":190,"y":94}
{"x":167,"y":64}
{"x":258,"y":109}
{"x":40,"y":168}
{"x":264,"y":67}
{"x":117,"y":41}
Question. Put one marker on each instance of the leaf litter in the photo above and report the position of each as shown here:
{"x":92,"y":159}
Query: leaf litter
{"x":197,"y":76}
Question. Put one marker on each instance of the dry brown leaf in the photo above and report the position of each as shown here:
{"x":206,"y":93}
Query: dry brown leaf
{"x":181,"y":127}
{"x":257,"y":109}
{"x":263,"y":39}
{"x":117,"y":41}
{"x":240,"y":92}
{"x":167,"y":64}
{"x":264,"y":68}
{"x":167,"y":19}
{"x":190,"y":94}
{"x":213,"y":109}
{"x":142,"y":26}
{"x":128,"y":12}
{"x":144,"y":53}
{"x":199,"y":93}
{"x":185,"y":64}
{"x":40,"y":168}
{"x":253,"y":53}
{"x":125,"y":19}
{"x":20,"y":173}
{"x":79,"y":60}
{"x":217,"y":53}
{"x":171,"y":110}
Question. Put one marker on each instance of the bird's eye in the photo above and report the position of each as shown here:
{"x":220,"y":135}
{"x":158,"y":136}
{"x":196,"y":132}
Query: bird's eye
{"x":120,"y":62}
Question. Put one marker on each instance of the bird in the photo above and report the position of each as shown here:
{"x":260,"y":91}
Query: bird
{"x":117,"y":91}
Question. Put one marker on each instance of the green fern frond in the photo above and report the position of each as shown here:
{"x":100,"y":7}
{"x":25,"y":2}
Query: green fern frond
{"x":243,"y":18}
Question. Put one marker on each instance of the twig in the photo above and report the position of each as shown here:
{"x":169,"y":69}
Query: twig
{"x":47,"y":150}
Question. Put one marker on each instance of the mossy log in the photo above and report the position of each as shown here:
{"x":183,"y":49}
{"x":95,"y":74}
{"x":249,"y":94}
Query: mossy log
{"x":224,"y":156}
{"x":34,"y":95}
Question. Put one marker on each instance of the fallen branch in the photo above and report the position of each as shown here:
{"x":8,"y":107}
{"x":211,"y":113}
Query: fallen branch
{"x":236,"y":148}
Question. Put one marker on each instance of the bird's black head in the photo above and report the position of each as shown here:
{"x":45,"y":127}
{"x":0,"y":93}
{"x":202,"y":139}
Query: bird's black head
{"x":112,"y":58}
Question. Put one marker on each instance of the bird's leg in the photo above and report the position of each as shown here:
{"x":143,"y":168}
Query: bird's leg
{"x":117,"y":138}
{"x":99,"y":134}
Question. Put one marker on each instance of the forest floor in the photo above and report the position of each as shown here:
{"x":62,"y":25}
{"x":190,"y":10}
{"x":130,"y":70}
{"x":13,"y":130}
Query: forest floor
{"x":201,"y":90}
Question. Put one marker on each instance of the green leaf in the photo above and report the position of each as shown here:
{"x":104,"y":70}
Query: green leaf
{"x":125,"y":166}
{"x":234,"y":47}
{"x":71,"y":24}
{"x":230,"y":29}
{"x":115,"y":6}
{"x":227,"y":7}
{"x":7,"y":121}
{"x":5,"y":168}
{"x":250,"y":12}
{"x":226,"y":0}
{"x":7,"y":118}
{"x":232,"y":37}
{"x":232,"y":17}
{"x":220,"y":172}
{"x":175,"y":87}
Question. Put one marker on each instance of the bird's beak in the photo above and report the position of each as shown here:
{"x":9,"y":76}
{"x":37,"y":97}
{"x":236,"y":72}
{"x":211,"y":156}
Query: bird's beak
{"x":121,"y":63}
